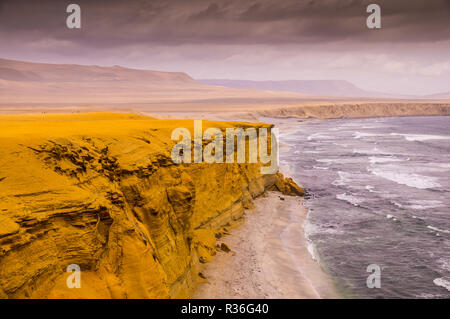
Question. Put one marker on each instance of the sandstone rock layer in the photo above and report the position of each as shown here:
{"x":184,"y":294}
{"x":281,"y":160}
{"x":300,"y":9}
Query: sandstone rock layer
{"x":101,"y":191}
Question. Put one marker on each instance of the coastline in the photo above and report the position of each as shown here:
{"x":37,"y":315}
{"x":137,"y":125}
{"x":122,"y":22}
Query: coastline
{"x":269,"y":257}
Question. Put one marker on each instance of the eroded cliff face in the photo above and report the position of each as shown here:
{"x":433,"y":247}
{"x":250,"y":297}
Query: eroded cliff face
{"x":361,"y":109}
{"x":101,"y":191}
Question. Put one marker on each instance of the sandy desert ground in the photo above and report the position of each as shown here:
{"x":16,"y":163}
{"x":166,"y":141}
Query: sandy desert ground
{"x":27,"y":87}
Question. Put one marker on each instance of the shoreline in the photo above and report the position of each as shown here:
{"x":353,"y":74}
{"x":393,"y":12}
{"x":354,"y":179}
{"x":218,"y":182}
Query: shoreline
{"x":269,"y":257}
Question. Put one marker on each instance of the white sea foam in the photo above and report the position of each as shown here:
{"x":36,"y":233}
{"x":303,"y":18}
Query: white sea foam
{"x":359,"y":135}
{"x":439,"y":230}
{"x":421,"y":137}
{"x":397,"y":204}
{"x":355,"y":201}
{"x":419,"y":204}
{"x":351,"y":180}
{"x":411,"y":180}
{"x":320,"y":167}
{"x":350,"y":124}
{"x":444,"y":263}
{"x":443,"y":282}
{"x":378,"y":159}
{"x":441,"y":165}
{"x":327,"y":160}
{"x":427,"y":296}
{"x":311,"y":229}
{"x":308,"y":231}
{"x":319,"y":136}
{"x":311,"y":250}
{"x":344,"y":179}
{"x":341,"y":144}
{"x":370,"y":188}
{"x":389,"y":216}
{"x":425,"y":204}
{"x":374,"y":151}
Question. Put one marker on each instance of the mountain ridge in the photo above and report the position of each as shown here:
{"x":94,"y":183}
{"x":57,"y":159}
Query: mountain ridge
{"x":42,"y":87}
{"x":21,"y":71}
{"x":335,"y":88}
{"x":443,"y":95}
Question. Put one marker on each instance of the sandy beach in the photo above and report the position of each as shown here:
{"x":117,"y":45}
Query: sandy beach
{"x":269,"y":257}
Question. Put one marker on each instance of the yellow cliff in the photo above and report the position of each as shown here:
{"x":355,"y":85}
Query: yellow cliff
{"x":100,"y":190}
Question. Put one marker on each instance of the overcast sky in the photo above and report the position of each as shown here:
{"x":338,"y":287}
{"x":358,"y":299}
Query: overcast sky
{"x":243,"y":39}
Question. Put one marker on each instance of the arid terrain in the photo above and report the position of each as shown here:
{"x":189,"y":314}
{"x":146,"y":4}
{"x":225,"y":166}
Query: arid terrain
{"x":35,"y":88}
{"x":101,"y":191}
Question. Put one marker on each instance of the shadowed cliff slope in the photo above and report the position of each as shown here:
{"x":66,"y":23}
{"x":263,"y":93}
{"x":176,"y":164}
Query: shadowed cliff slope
{"x":101,"y":191}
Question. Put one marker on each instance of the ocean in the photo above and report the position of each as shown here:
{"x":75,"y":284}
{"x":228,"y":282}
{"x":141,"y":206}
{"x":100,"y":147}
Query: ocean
{"x":379,"y":195}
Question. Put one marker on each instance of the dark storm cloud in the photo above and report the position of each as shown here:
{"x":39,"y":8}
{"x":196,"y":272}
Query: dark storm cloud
{"x":212,"y":11}
{"x":243,"y":39}
{"x":110,"y":23}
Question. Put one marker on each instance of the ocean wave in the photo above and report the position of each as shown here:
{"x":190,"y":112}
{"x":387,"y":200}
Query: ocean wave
{"x":370,"y":188}
{"x":419,"y":204}
{"x":444,"y":263}
{"x":411,"y":180}
{"x":352,"y":180}
{"x":374,"y":151}
{"x":425,"y":204}
{"x":311,"y":250}
{"x":421,"y":137}
{"x":359,"y":135}
{"x":443,"y":282}
{"x":370,"y":126}
{"x":328,"y":160}
{"x":436,"y":167}
{"x":312,"y":229}
{"x":319,"y":167}
{"x":341,"y":144}
{"x":355,"y":201}
{"x":344,"y":179}
{"x":316,"y":136}
{"x":308,"y":230}
{"x":397,"y":204}
{"x":378,"y":159}
{"x":438,"y":230}
{"x":427,"y":296}
{"x":389,"y":216}
{"x":350,"y":124}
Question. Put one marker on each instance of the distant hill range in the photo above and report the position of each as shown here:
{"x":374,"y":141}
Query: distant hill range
{"x":438,"y":96}
{"x":42,"y":72}
{"x":29,"y":84}
{"x":39,"y":84}
{"x":338,"y":88}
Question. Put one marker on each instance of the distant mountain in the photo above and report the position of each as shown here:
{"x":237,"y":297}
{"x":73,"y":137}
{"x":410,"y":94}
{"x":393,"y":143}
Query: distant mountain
{"x":339,"y":88}
{"x":19,"y":71}
{"x":445,"y":95}
{"x":42,"y":84}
